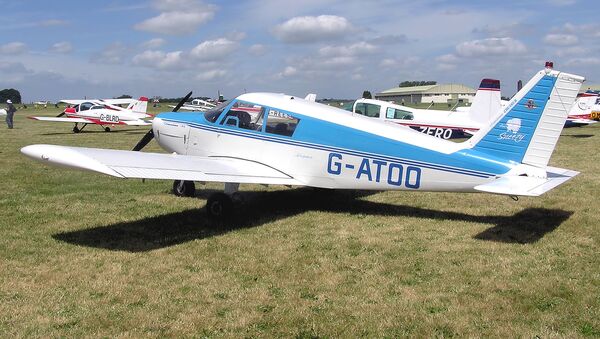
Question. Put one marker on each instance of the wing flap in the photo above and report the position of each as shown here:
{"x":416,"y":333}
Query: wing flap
{"x":528,"y":186}
{"x":129,"y":164}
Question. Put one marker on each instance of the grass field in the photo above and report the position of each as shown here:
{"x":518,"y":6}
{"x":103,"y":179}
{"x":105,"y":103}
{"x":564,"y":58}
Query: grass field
{"x":89,"y":255}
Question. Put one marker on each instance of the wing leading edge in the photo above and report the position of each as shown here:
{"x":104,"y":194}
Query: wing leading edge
{"x":129,"y":164}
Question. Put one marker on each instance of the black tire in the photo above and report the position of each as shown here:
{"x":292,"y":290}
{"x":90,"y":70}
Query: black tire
{"x":76,"y":130}
{"x":184,"y":188}
{"x":219,"y":205}
{"x":106,"y":129}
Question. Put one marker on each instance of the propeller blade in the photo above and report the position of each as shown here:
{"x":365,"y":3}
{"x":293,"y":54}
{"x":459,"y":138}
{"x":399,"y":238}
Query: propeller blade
{"x":150,"y":135}
{"x":183,"y":101}
{"x":60,"y":115}
{"x":144,"y":141}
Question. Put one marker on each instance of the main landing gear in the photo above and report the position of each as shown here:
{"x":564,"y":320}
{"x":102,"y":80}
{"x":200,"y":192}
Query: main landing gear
{"x":218,"y":205}
{"x":76,"y":128}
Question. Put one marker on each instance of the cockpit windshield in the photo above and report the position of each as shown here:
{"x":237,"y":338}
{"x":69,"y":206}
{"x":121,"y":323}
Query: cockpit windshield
{"x":213,"y":114}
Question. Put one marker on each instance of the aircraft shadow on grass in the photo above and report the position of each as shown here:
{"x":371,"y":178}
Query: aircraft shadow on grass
{"x":577,"y":136}
{"x":261,"y":207}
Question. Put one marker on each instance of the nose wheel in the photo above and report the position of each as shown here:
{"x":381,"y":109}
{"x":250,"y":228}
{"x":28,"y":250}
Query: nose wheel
{"x":182,"y":188}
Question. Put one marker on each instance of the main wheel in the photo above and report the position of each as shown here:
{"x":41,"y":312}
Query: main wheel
{"x":106,"y":129}
{"x":76,"y":130}
{"x":219,"y":205}
{"x":183,"y":188}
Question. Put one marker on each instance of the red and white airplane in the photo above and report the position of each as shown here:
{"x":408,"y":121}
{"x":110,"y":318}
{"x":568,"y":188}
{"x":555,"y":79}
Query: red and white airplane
{"x":103,"y":112}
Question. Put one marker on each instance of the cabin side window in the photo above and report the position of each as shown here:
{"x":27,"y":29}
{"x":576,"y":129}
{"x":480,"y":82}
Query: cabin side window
{"x":392,"y":113}
{"x":281,"y":123}
{"x":368,"y":110}
{"x":244,"y":115}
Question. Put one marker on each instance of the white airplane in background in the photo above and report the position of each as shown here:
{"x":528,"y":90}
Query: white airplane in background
{"x":103,"y":112}
{"x":291,"y":141}
{"x":438,"y":123}
{"x":580,"y":113}
{"x":197,"y":105}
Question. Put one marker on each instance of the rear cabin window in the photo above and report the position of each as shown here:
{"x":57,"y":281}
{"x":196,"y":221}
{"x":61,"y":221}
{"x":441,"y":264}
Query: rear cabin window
{"x":281,"y":123}
{"x":244,"y":115}
{"x":369,"y":110}
{"x":392,"y":113}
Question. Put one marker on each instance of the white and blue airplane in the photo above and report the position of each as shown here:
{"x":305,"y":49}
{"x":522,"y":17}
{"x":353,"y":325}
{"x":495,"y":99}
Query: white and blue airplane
{"x":266,"y":138}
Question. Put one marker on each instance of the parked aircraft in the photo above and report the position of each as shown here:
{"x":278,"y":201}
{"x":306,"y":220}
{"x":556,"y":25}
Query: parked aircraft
{"x":580,"y":113}
{"x":441,"y":124}
{"x":290,"y":141}
{"x":197,"y":105}
{"x":102,"y":112}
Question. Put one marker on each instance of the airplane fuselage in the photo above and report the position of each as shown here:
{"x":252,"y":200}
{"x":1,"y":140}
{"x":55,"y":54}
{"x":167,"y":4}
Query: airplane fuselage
{"x":359,"y":154}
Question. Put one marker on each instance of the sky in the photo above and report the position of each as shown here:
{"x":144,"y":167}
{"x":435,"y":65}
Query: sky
{"x":51,"y":50}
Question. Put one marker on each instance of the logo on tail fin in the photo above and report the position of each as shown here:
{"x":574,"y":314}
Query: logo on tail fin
{"x":512,"y":131}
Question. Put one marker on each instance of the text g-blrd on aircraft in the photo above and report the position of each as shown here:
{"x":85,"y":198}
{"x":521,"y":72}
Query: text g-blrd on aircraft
{"x":102,"y":112}
{"x":266,"y":138}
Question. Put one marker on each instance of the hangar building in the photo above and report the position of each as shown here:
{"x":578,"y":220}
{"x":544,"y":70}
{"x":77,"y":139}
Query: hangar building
{"x":441,"y":93}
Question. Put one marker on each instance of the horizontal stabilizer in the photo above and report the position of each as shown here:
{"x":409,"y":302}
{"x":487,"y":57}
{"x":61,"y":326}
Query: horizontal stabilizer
{"x":528,"y":186}
{"x":130,"y":164}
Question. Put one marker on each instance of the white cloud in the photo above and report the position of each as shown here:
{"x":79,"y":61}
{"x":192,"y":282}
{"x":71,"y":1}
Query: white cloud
{"x":178,"y":17}
{"x":357,"y":49}
{"x":153,"y":43}
{"x":214,"y":49}
{"x":52,"y":22}
{"x":171,"y":61}
{"x":561,"y":39}
{"x":589,"y":61}
{"x":447,"y":59}
{"x":211,"y":75}
{"x":112,"y":54}
{"x":307,"y":29}
{"x":490,"y":47}
{"x":289,"y":71}
{"x":257,"y":49}
{"x":62,"y":47}
{"x":13,"y":48}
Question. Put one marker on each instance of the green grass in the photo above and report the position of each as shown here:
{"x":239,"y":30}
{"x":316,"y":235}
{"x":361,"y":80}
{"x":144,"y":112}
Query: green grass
{"x":88,"y":255}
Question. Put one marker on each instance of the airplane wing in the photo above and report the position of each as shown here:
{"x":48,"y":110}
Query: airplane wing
{"x":528,"y":186}
{"x":74,"y":102}
{"x":72,"y":120}
{"x":130,"y":164}
{"x":136,"y":122}
{"x":119,"y":101}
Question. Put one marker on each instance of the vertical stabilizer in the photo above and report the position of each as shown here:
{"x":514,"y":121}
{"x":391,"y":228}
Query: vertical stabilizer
{"x":487,"y":103}
{"x":140,"y":106}
{"x":530,"y":124}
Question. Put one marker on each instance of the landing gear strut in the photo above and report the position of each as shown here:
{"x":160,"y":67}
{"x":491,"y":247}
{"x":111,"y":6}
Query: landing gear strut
{"x":183,"y":188}
{"x":76,"y":128}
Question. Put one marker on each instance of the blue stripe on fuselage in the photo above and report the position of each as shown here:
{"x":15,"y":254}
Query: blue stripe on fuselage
{"x":322,"y":135}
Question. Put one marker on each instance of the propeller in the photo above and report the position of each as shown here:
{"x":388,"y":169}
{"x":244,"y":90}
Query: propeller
{"x":60,"y":115}
{"x":150,"y":135}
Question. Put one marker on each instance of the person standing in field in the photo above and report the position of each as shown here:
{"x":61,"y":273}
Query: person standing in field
{"x":10,"y":112}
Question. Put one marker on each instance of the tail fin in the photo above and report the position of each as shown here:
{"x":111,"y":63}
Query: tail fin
{"x":529,"y":126}
{"x":583,"y":104}
{"x":487,"y":103}
{"x":140,"y":106}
